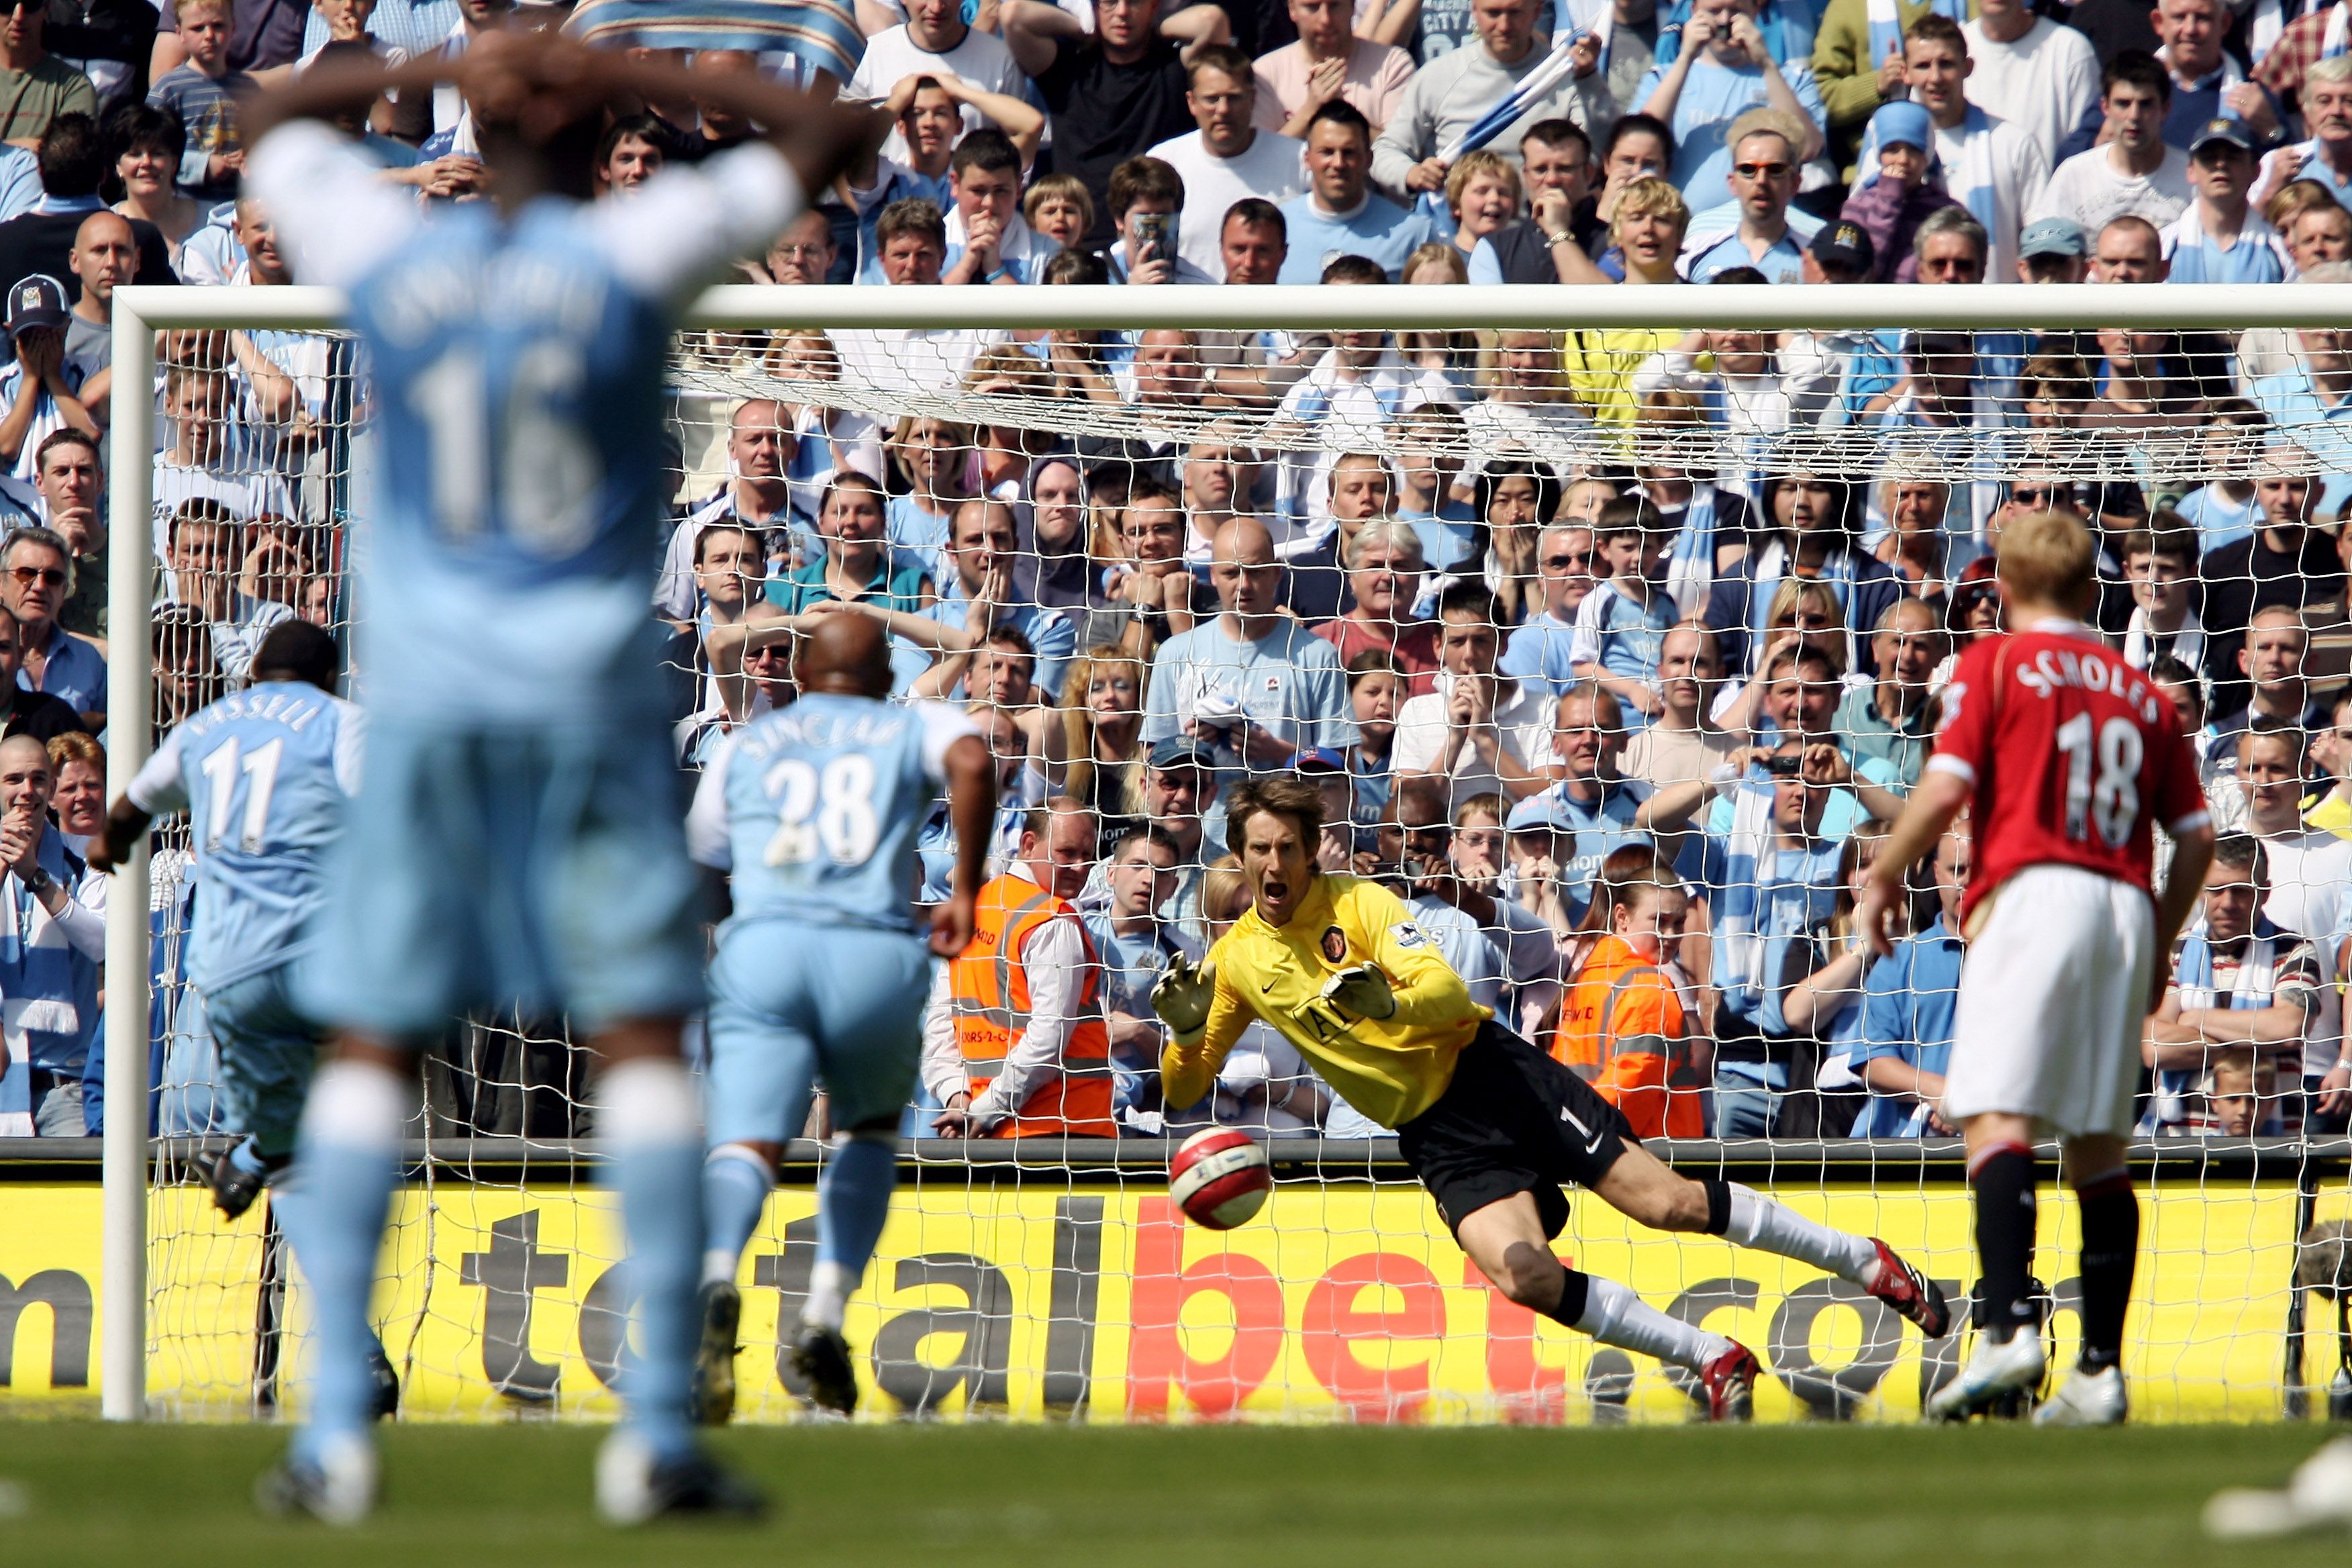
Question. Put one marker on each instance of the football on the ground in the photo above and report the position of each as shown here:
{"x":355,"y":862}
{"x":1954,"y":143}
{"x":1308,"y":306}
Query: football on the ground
{"x":1220,"y":1177}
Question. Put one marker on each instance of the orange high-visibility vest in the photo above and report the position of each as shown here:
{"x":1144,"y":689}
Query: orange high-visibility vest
{"x":990,"y":990}
{"x":1623,"y":1029}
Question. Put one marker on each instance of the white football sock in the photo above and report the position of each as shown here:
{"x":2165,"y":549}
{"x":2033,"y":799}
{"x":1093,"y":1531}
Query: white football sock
{"x":1614,"y":1315}
{"x":828,"y":1295}
{"x":1769,"y":1226}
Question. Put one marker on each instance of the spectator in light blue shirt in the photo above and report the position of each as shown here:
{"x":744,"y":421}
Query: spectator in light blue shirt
{"x":1254,"y":686}
{"x":35,"y":571}
{"x":2218,"y":238}
{"x":1724,"y":70}
{"x":1341,"y":214}
{"x":1541,"y":647}
{"x":1908,"y":1001}
{"x":1756,"y":227}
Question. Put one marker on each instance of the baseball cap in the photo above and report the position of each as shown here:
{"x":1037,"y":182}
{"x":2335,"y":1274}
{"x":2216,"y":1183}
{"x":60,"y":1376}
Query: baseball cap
{"x":38,"y":300}
{"x":2053,"y":236}
{"x":1534,"y":815}
{"x":1318,"y":760}
{"x":1180,"y":752}
{"x":1903,"y":122}
{"x":1846,"y":244}
{"x":2226,"y":128}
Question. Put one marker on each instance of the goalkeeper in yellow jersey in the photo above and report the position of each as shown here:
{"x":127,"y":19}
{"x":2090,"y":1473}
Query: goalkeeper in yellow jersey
{"x":1491,"y":1125}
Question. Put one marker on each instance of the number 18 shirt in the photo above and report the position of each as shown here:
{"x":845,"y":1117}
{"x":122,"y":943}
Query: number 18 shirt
{"x":2072,"y":755}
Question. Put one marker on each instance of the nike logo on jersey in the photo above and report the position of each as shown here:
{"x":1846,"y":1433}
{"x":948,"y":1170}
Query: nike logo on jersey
{"x":1591,"y":1139}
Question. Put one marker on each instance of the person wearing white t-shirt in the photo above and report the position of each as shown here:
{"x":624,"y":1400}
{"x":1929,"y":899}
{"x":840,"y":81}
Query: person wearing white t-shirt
{"x":1484,"y":733}
{"x":2132,"y":173}
{"x":1990,"y":166}
{"x":934,"y":41}
{"x":1228,"y":159}
{"x":2039,"y":75}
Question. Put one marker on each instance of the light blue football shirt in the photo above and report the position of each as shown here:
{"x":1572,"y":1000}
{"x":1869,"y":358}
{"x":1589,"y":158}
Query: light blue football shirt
{"x":266,"y":776}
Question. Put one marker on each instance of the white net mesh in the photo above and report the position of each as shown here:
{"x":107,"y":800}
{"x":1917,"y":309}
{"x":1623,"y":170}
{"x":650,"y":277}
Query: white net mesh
{"x":1801,"y":489}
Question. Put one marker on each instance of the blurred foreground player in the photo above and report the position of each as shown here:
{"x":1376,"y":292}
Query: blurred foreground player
{"x":2064,"y":757}
{"x":821,"y":970}
{"x":266,"y":775}
{"x":517,"y":839}
{"x":1491,"y":1125}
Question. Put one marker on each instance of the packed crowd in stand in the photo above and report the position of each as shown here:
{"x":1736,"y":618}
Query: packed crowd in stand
{"x":1620,"y":698}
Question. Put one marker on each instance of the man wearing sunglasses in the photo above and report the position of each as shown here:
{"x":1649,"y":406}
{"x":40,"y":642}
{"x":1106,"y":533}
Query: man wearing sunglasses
{"x":35,"y":574}
{"x":1756,"y":227}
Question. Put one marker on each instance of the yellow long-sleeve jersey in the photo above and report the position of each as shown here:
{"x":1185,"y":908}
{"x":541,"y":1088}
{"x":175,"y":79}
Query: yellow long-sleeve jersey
{"x":1392,"y":1070}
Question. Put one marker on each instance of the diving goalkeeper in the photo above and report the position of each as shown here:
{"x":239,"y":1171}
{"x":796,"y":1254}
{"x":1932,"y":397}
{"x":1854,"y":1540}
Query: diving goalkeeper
{"x":1491,"y":1125}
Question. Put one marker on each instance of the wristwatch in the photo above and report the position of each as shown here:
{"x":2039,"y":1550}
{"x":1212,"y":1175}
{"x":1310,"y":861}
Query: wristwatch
{"x":40,"y":881}
{"x":1562,"y":237}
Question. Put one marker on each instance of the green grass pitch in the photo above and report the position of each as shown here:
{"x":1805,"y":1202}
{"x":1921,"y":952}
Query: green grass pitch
{"x":978,"y":1495}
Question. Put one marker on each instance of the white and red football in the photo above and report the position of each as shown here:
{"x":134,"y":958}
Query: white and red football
{"x":1220,"y":1177}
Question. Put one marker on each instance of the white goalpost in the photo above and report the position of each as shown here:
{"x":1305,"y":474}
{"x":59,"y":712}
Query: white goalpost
{"x":2264,"y":1177}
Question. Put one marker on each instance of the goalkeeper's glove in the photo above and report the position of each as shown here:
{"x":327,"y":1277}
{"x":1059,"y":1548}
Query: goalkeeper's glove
{"x":1182,"y":998}
{"x":1362,"y":990}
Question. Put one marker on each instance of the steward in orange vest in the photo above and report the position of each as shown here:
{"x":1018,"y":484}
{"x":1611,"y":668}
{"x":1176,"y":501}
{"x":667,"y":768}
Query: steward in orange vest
{"x":1022,"y":1003}
{"x":1622,"y":1025}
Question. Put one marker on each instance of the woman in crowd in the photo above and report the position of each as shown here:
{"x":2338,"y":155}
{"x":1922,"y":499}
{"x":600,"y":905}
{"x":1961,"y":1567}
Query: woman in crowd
{"x":859,"y":564}
{"x":1100,"y":737}
{"x":147,"y":144}
{"x":1514,"y":500}
{"x":930,"y":460}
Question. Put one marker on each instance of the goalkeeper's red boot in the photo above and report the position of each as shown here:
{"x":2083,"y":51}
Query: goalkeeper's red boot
{"x":1910,"y":1292}
{"x":1730,"y":1383}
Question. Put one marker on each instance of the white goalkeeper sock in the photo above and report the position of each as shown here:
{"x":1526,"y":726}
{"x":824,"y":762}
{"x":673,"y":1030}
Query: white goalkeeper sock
{"x":1614,"y":1315}
{"x":1769,"y":1226}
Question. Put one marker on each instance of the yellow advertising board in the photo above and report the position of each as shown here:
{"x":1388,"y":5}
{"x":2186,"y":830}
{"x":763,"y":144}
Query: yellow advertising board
{"x":1339,"y":1301}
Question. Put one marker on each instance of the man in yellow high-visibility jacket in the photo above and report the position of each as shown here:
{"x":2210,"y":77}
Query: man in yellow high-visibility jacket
{"x":1491,"y":1125}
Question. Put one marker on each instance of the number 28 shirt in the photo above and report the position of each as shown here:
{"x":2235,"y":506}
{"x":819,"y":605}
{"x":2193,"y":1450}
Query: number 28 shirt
{"x":2072,"y":755}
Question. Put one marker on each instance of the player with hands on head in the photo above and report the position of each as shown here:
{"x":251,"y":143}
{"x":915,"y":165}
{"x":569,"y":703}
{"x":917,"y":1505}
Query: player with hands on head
{"x":814,"y":811}
{"x":1491,"y":1125}
{"x":516,"y":841}
{"x":2066,"y":760}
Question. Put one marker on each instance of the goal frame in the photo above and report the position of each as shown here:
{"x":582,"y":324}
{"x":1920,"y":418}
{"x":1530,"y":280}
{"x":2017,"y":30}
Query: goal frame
{"x":139,"y":312}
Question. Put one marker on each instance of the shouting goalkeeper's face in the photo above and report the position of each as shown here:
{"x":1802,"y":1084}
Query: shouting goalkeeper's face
{"x":1278,"y":859}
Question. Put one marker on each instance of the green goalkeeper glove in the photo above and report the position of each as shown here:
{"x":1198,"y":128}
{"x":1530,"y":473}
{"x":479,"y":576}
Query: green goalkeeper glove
{"x":1182,"y":995}
{"x":1362,"y":990}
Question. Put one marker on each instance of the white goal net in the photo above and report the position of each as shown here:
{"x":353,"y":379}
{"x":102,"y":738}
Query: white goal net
{"x":1499,"y":566}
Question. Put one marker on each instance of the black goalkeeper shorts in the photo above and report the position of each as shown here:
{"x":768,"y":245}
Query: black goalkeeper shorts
{"x":1513,"y":1121}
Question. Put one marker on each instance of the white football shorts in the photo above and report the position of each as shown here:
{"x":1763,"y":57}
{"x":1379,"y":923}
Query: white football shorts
{"x":2053,"y":1002}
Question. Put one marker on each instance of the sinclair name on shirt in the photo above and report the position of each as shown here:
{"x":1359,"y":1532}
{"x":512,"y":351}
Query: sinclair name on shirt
{"x":2051,"y":669}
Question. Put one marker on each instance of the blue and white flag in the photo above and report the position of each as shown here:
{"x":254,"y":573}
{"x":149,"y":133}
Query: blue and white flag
{"x":823,"y":33}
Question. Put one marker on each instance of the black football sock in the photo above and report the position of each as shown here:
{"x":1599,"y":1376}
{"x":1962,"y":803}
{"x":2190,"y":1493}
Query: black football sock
{"x":2110,"y":1253}
{"x":2002,"y":1176}
{"x":1719,"y":1203}
{"x":1575,"y":1291}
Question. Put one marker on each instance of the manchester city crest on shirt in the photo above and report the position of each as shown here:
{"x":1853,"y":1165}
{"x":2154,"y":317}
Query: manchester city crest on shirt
{"x":1335,"y":944}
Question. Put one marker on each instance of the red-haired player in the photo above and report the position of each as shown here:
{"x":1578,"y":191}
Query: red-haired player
{"x":2066,"y":758}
